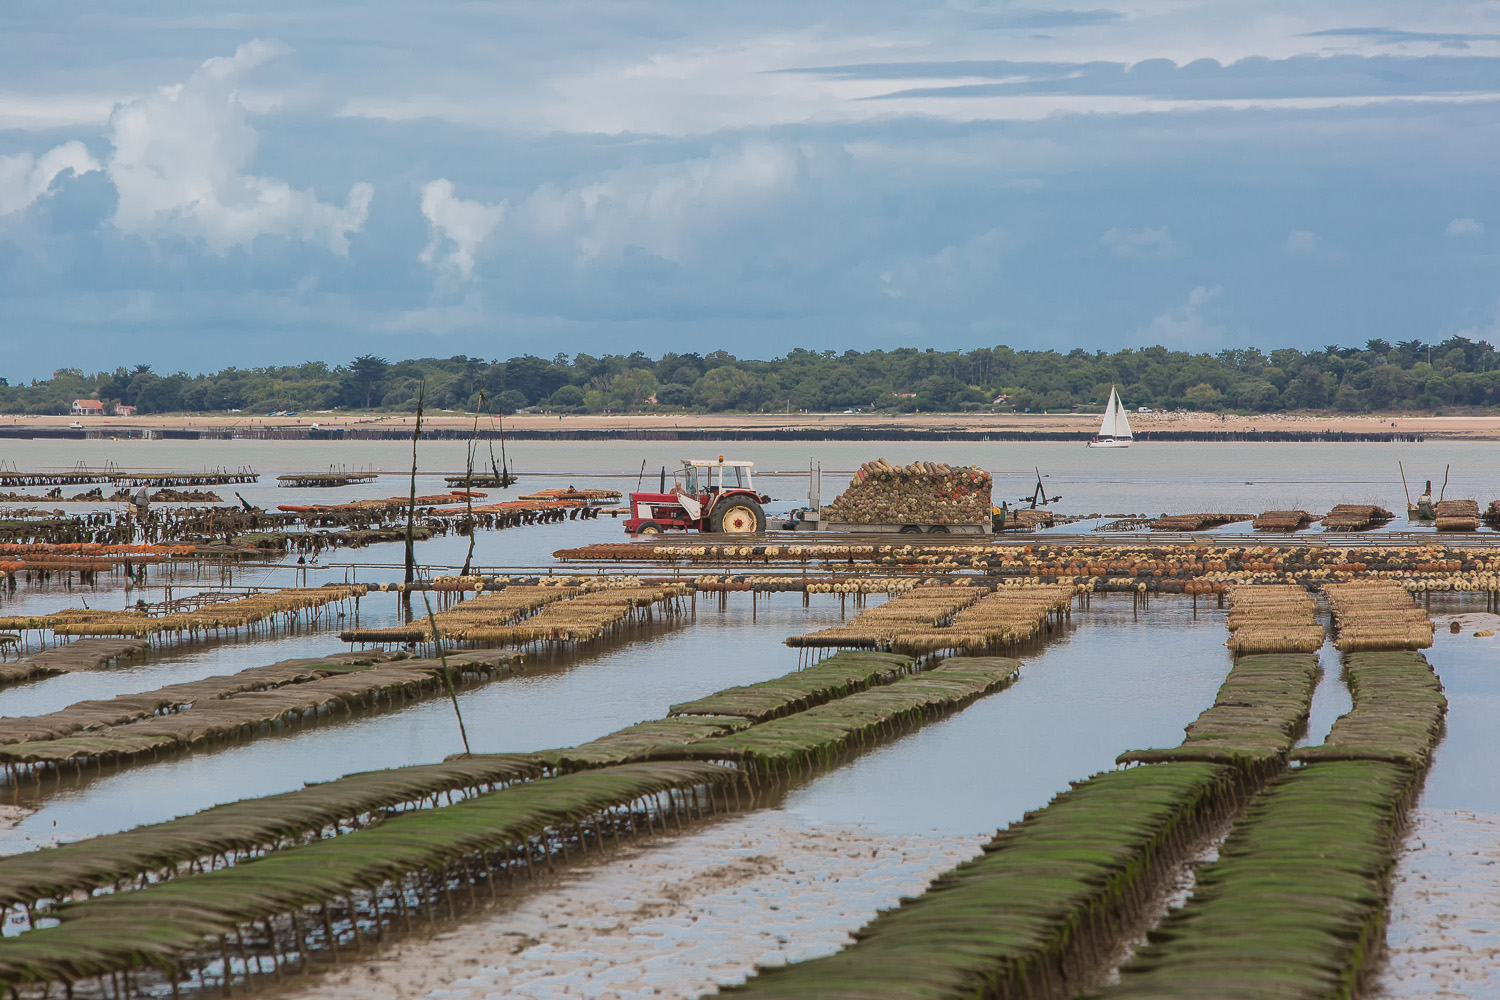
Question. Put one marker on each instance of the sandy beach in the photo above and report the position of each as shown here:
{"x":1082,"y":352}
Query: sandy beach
{"x":1447,"y":427}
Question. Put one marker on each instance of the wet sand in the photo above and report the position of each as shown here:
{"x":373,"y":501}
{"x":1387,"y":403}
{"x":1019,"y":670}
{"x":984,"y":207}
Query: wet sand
{"x":1486,"y":427}
{"x":668,"y":918}
{"x":11,"y":815}
{"x":1444,"y":935}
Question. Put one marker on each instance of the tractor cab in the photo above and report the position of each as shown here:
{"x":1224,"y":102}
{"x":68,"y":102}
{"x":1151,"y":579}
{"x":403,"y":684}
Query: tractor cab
{"x":706,"y":495}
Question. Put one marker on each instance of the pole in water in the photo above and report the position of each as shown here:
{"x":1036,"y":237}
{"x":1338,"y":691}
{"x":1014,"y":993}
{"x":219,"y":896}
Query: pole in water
{"x":411,"y":509}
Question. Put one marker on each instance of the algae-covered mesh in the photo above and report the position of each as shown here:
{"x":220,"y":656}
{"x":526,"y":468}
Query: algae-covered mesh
{"x":929,"y":492}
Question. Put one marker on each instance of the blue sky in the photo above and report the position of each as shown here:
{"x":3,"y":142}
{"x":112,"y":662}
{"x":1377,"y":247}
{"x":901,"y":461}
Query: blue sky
{"x":283,"y":182}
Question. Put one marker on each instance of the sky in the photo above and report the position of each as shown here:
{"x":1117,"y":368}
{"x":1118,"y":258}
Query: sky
{"x":196,"y":186}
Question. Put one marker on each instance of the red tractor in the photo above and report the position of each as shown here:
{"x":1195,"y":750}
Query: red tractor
{"x":716,"y":496}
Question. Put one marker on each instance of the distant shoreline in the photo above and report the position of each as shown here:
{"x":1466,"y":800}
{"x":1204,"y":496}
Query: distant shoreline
{"x":767,"y":427}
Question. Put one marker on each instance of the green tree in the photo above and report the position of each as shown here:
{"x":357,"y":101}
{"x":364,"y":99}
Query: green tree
{"x":365,"y":373}
{"x":566,"y":398}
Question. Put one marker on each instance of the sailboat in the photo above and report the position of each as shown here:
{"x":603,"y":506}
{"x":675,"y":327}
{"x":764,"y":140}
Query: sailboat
{"x":1114,"y":429}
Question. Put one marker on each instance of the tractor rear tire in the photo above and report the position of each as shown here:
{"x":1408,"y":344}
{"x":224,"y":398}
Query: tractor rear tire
{"x":648,"y":529}
{"x":739,"y":516}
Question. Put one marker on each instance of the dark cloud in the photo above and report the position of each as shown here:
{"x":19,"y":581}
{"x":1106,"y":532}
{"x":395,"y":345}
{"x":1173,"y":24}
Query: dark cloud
{"x":833,"y":225}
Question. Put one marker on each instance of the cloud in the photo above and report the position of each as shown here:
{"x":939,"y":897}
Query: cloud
{"x":956,"y":270}
{"x":1305,"y":243}
{"x":1323,"y":79}
{"x":1189,"y":324}
{"x":179,"y":166}
{"x":1465,"y":227}
{"x":1139,"y":244}
{"x":1302,"y":243}
{"x":25,"y":179}
{"x":1036,"y":18}
{"x":464,"y":224}
{"x":1396,"y":36}
{"x":662,"y":209}
{"x":41,"y":112}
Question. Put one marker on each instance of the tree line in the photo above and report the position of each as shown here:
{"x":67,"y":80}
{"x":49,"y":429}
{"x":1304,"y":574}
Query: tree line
{"x":1379,"y":376}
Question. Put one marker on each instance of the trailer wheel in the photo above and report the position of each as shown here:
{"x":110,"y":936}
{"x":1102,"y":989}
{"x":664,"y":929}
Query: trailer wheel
{"x":938,"y":529}
{"x":740,"y":516}
{"x":911,"y":529}
{"x":648,"y":529}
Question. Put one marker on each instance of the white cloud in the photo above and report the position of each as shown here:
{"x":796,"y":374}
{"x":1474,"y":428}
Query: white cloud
{"x":179,"y":165}
{"x":1465,"y":227}
{"x":35,"y":113}
{"x":24,"y":179}
{"x":1139,"y":244}
{"x":1189,"y":324}
{"x":464,"y":224}
{"x":661,"y":209}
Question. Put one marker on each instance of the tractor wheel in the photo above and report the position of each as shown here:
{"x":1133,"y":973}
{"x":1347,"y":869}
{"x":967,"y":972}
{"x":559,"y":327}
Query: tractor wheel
{"x":739,"y":516}
{"x":648,"y":529}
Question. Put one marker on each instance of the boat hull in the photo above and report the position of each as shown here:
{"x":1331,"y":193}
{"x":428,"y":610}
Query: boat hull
{"x":1109,"y":443}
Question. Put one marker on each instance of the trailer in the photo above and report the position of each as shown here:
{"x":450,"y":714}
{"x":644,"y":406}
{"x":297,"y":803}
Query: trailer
{"x":812,"y":520}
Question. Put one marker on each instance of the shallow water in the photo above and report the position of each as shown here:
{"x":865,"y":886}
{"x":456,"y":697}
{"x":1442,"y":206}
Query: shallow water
{"x":1463,"y":773}
{"x":567,"y":701}
{"x":790,"y":883}
{"x":1146,"y":478}
{"x":1114,"y":681}
{"x":1331,"y":697}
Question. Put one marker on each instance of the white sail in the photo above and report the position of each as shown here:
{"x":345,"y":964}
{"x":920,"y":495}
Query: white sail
{"x":1107,"y":425}
{"x":1122,"y":421}
{"x":1114,"y":429}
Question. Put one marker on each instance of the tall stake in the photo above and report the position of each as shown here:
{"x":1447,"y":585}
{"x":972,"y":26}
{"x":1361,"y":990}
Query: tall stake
{"x":505,"y":477}
{"x":469,"y":486}
{"x":411,"y":507}
{"x":437,"y":641}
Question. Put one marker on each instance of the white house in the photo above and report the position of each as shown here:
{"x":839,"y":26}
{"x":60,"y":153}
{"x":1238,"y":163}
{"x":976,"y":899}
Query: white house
{"x":88,"y":408}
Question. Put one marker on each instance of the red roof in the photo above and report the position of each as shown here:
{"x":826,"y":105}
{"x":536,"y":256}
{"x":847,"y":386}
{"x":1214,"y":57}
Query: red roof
{"x":90,"y":403}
